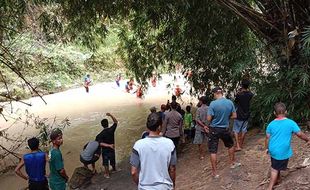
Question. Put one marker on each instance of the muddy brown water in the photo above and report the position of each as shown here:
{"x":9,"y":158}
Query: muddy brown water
{"x":85,"y":112}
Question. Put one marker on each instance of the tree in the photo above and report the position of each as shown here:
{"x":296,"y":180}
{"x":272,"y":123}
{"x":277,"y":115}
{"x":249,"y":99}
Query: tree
{"x":222,"y":41}
{"x":172,"y":32}
{"x":280,"y":24}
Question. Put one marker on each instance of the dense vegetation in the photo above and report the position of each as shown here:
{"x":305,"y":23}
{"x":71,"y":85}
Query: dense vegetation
{"x":34,"y":59}
{"x":221,"y":41}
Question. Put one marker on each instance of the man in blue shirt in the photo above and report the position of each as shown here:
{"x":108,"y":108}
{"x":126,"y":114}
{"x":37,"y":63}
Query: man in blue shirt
{"x":220,"y":111}
{"x":34,"y":163}
{"x":278,"y":142}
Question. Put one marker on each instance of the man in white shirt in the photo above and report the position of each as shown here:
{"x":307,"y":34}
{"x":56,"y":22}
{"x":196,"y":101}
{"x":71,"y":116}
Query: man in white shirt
{"x":153,"y":159}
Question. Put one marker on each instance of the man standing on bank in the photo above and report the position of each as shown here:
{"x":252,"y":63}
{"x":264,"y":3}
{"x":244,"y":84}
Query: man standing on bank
{"x":153,"y":159}
{"x":173,"y":125}
{"x":220,"y":111}
{"x":106,"y":140}
{"x":242,"y":101}
{"x":34,"y":163}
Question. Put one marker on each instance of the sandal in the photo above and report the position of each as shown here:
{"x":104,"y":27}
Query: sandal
{"x":235,"y":165}
{"x":216,"y":176}
{"x":106,"y":176}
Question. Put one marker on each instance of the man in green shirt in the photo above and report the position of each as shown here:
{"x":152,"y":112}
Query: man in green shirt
{"x":58,"y":177}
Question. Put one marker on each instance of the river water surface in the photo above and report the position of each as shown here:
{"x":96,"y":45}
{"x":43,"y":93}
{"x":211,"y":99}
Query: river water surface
{"x":85,"y":111}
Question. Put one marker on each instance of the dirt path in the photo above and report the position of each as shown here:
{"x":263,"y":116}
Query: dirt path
{"x":193,"y":173}
{"x":253,"y":174}
{"x":118,"y":181}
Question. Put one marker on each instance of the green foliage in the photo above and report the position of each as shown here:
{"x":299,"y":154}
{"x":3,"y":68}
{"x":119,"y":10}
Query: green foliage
{"x":45,"y":128}
{"x":52,"y":67}
{"x":217,"y":40}
{"x":286,"y":83}
{"x":209,"y":40}
{"x":171,"y":33}
{"x":12,"y":17}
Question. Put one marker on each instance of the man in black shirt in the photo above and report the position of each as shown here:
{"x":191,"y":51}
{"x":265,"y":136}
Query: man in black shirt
{"x":242,"y":101}
{"x":106,"y":140}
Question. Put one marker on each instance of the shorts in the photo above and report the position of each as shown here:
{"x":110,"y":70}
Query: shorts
{"x":217,"y":133}
{"x":108,"y":157}
{"x":279,"y":164}
{"x":38,"y":185}
{"x":193,"y":131}
{"x":187,"y":132}
{"x":240,"y":126}
{"x":200,"y":137}
{"x":57,"y":185}
{"x":93,"y":160}
{"x":175,"y":141}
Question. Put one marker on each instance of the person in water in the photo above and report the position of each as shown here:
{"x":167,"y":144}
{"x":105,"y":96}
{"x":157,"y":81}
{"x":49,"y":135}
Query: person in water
{"x":131,"y":83}
{"x":87,"y":82}
{"x":154,"y":80}
{"x":127,"y":88}
{"x":139,"y":92}
{"x":35,"y":163}
{"x":118,"y":79}
{"x":178,"y":92}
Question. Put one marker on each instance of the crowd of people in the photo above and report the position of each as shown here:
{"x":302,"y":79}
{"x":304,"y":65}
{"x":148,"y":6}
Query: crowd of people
{"x":134,"y":88}
{"x":154,"y":157}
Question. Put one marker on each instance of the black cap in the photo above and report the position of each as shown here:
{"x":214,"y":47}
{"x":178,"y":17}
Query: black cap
{"x":217,"y":90}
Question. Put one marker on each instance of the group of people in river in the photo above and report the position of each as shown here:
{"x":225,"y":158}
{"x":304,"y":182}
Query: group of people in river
{"x":154,"y":157}
{"x":131,"y":87}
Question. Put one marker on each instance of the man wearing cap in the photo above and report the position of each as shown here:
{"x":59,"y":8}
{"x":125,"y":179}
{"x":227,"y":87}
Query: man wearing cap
{"x":153,"y":159}
{"x":220,"y":111}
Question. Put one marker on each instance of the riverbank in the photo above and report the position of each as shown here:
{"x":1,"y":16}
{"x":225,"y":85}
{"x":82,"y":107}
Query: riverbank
{"x":84,"y":111}
{"x":193,"y":173}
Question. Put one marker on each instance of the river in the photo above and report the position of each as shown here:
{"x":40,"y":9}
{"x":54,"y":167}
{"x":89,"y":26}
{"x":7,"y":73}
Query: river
{"x":85,"y":111}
